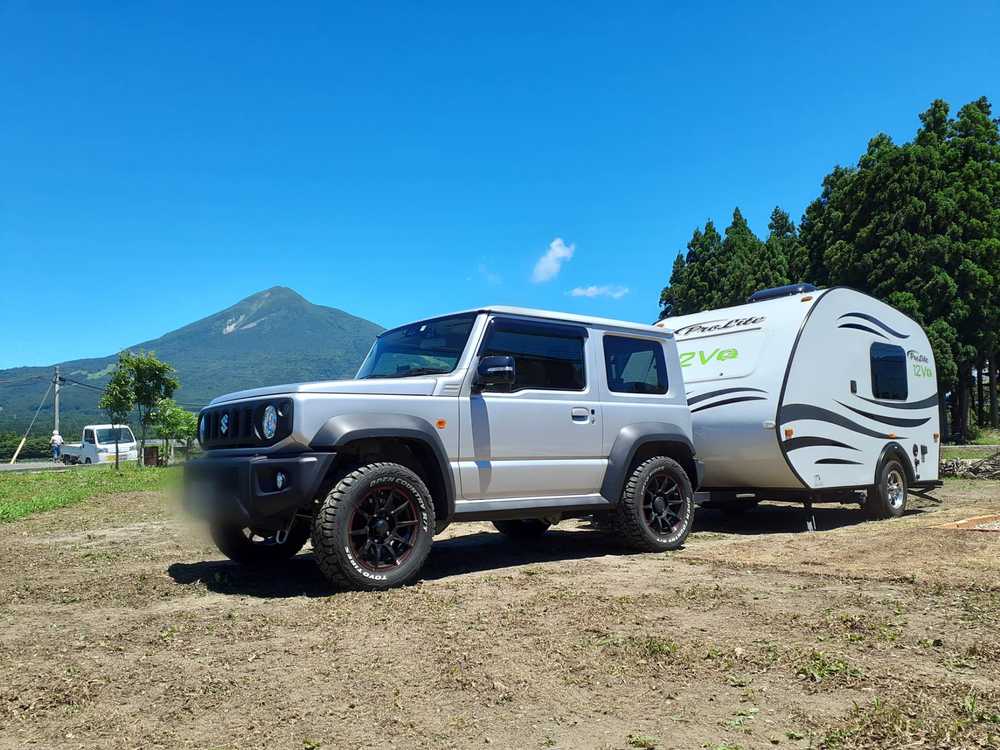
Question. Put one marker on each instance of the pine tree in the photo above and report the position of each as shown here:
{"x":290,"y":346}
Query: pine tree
{"x":783,"y":240}
{"x":741,"y":251}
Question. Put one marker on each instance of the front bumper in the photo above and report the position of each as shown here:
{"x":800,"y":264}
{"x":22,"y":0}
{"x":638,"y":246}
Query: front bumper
{"x":243,"y":489}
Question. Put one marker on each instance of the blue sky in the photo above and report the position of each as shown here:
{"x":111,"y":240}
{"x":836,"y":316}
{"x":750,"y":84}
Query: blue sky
{"x":161,"y":161}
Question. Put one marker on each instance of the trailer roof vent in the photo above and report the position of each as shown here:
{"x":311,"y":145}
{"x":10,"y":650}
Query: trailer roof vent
{"x":780,"y":291}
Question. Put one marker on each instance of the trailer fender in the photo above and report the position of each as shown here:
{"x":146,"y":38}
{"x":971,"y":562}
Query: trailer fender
{"x":630,"y":440}
{"x":895,"y":450}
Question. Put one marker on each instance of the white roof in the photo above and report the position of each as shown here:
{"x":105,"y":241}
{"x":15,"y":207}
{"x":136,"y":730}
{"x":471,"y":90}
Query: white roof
{"x":529,"y":312}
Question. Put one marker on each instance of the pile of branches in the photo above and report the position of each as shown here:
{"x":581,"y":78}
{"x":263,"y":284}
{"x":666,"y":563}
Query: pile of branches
{"x":983,"y":468}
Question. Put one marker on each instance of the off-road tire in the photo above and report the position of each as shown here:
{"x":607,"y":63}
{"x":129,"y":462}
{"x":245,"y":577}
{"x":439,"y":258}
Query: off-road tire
{"x":630,"y":523}
{"x":233,"y":541}
{"x":522,"y":529}
{"x":332,"y":548}
{"x":887,"y":499}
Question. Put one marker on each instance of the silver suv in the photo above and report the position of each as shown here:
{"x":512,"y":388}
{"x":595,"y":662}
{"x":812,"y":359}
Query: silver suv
{"x":520,"y":417}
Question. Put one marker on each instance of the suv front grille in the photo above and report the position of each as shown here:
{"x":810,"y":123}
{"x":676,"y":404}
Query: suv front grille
{"x":242,"y":424}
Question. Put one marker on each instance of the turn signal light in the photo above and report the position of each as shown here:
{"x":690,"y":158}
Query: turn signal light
{"x":441,"y":424}
{"x":936,"y":436}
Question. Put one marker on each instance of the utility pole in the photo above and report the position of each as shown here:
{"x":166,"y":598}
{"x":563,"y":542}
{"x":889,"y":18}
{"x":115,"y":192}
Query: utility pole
{"x":56,"y":381}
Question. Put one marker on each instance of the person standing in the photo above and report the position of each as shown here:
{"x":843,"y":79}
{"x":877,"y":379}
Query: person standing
{"x":56,"y":442}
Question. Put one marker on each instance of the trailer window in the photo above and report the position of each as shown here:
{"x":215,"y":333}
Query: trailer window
{"x":635,"y":365}
{"x":888,"y":372}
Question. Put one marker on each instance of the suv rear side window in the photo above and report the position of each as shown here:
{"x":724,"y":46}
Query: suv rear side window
{"x":635,"y":365}
{"x":888,"y":372}
{"x":546,"y":356}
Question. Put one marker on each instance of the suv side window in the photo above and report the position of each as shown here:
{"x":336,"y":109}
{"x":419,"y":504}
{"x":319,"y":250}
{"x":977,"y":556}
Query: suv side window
{"x":635,"y":365}
{"x":546,"y":356}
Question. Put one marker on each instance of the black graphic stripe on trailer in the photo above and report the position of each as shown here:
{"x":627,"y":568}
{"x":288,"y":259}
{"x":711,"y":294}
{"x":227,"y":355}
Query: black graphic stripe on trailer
{"x":894,"y":421}
{"x":793,"y":412}
{"x":875,"y":321}
{"x":712,"y":394}
{"x":727,"y":401}
{"x":859,"y":327}
{"x":810,"y":441}
{"x":924,"y":404}
{"x":838,"y":462}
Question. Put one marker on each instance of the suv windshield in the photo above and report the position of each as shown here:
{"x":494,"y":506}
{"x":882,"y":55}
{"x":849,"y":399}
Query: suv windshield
{"x":431,"y":347}
{"x":107,"y":435}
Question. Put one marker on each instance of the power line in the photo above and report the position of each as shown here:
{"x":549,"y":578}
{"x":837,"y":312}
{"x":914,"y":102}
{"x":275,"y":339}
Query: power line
{"x":26,"y":432}
{"x":82,"y":385}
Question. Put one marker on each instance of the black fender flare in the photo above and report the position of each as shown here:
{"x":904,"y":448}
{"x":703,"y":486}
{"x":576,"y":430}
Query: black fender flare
{"x":628,"y":442}
{"x":342,"y":429}
{"x":895,"y":450}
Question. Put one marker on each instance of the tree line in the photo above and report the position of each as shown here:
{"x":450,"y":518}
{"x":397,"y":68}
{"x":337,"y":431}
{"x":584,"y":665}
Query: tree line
{"x":916,"y":225}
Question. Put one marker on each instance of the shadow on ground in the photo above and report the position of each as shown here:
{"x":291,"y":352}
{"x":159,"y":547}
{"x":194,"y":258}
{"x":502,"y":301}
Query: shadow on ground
{"x":472,"y":553}
{"x":485,"y":551}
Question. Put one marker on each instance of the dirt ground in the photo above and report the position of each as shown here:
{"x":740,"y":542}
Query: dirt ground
{"x":122,"y":627}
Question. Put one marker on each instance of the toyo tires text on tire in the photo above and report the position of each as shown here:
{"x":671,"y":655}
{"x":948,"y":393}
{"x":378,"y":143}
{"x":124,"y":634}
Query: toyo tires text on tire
{"x":887,"y":499}
{"x":656,"y":509}
{"x":375,"y":528}
{"x":256,"y":547}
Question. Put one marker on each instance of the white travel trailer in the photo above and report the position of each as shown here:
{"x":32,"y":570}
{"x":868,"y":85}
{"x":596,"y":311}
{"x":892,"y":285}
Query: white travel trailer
{"x":811,"y":395}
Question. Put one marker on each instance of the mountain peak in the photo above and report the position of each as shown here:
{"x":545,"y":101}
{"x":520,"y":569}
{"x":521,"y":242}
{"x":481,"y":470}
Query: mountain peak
{"x":272,"y":336}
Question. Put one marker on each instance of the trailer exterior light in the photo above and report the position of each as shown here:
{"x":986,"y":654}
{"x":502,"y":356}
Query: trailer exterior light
{"x":270,"y":422}
{"x":936,"y":436}
{"x":788,"y":433}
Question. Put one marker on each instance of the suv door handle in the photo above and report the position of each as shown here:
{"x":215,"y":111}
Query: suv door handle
{"x":580,"y":414}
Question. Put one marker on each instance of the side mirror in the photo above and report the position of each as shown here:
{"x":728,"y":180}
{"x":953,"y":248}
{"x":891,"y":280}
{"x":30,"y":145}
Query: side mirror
{"x":495,"y":371}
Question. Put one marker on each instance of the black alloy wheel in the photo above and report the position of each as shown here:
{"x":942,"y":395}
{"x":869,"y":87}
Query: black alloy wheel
{"x":383,"y":528}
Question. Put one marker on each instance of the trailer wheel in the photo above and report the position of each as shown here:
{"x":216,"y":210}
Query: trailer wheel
{"x":887,"y":499}
{"x":522,"y":529}
{"x":375,"y":528}
{"x":258,"y":547}
{"x":656,"y":509}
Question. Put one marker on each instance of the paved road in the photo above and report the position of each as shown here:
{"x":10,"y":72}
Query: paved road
{"x":36,"y":464}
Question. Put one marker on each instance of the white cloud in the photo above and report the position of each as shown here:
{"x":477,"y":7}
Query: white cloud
{"x":606,"y":290}
{"x":550,"y":263}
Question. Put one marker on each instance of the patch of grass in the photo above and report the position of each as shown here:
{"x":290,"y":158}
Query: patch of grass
{"x":820,"y":666}
{"x":22,"y":494}
{"x":921,"y":720}
{"x":987,"y":437}
{"x":639,"y":741}
{"x":965,"y":451}
{"x":856,"y":627}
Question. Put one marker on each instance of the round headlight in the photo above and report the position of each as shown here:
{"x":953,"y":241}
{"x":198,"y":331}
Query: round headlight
{"x":270,"y":423}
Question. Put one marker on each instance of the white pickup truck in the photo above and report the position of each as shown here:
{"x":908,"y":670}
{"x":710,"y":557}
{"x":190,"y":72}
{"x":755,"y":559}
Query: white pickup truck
{"x":98,"y":445}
